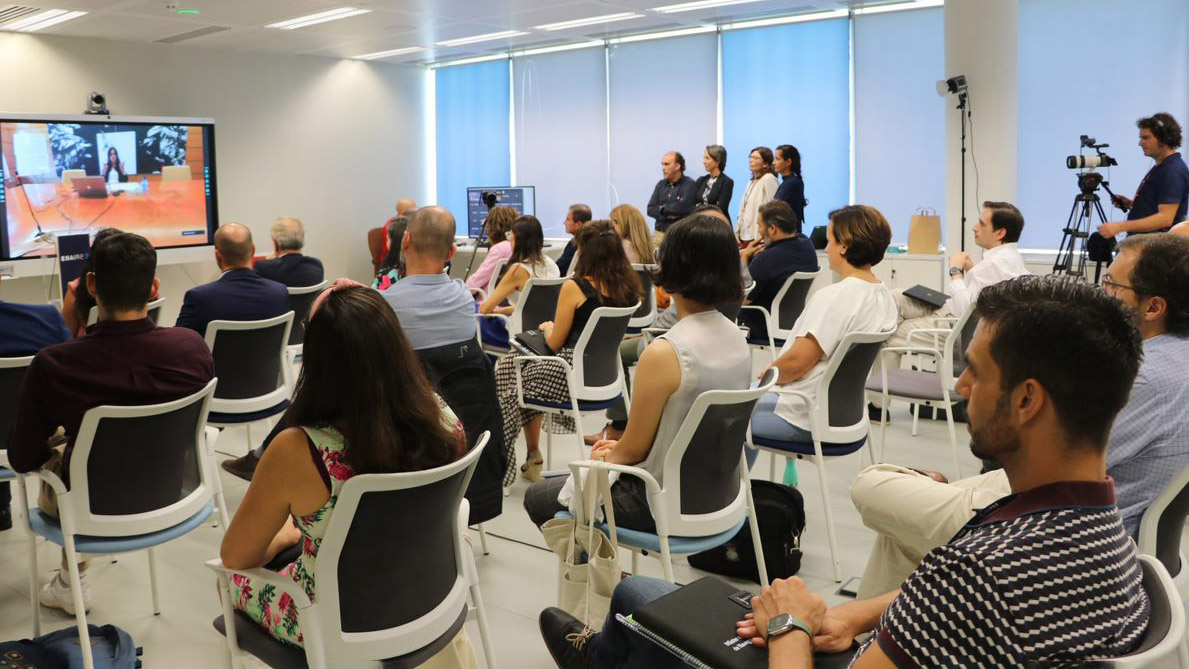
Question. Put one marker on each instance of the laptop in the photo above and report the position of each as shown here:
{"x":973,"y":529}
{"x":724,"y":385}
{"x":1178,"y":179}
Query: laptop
{"x":534,"y":341}
{"x":89,"y":186}
{"x":927,"y":295}
{"x":696,"y":623}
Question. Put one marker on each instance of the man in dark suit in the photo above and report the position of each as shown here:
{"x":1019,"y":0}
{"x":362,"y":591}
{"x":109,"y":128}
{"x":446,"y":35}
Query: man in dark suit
{"x":288,"y":265}
{"x":240,"y":294}
{"x":778,"y":254}
{"x":27,"y":329}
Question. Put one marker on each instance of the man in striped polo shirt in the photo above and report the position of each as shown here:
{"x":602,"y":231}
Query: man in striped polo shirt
{"x":1046,"y":575}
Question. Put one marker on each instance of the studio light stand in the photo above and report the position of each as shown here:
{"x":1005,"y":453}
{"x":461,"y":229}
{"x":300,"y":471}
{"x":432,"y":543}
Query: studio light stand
{"x":957,"y":86}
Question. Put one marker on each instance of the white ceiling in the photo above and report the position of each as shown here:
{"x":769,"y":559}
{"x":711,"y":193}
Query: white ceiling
{"x":392,"y":24}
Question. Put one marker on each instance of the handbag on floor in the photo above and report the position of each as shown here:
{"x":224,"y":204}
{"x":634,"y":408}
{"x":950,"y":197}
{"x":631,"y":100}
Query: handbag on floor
{"x":111,"y":648}
{"x":780,"y":513}
{"x":589,"y":558}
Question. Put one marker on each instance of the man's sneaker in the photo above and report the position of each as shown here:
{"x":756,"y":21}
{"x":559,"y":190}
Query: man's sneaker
{"x":56,"y":593}
{"x":243,"y":467}
{"x":566,"y":638}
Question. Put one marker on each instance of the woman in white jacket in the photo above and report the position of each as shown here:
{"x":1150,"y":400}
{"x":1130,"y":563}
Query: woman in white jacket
{"x":760,"y":191}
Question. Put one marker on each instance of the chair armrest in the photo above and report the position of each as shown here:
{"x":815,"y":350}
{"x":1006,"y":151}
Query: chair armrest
{"x":934,"y":332}
{"x":922,"y":350}
{"x":650,"y":483}
{"x":781,"y":390}
{"x":763,"y":310}
{"x":284,"y":584}
{"x":479,"y":294}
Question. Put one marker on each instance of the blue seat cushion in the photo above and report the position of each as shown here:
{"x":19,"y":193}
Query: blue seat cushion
{"x":49,"y":527}
{"x":677,"y":545}
{"x":806,"y":447}
{"x":216,"y":418}
{"x":7,"y":474}
{"x":583,"y":405}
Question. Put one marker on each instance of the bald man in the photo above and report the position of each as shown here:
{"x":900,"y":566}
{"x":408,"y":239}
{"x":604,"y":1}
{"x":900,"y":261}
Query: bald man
{"x":287,"y":264}
{"x":240,"y":294}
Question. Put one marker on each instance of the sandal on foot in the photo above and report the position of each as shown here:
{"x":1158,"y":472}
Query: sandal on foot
{"x":532,"y":470}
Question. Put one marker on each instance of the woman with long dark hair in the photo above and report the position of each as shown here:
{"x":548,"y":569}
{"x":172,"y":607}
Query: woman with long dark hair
{"x":362,"y":405}
{"x":602,"y":277}
{"x":393,"y":267}
{"x":528,"y":261}
{"x":760,"y":191}
{"x":699,"y":266}
{"x":113,"y":170}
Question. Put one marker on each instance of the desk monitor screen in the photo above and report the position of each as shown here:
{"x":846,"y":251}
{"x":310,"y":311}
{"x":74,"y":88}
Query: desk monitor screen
{"x":66,"y":175}
{"x":521,"y":198}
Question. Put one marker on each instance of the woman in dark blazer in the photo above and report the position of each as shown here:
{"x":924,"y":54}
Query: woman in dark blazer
{"x":715,"y":187}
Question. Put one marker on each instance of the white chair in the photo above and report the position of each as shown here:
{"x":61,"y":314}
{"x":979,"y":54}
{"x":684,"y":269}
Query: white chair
{"x":497,"y":273}
{"x":154,"y":308}
{"x":922,"y":387}
{"x":1163,"y":644}
{"x":12,"y":374}
{"x":786,"y":309}
{"x":140,"y":476}
{"x":1161,"y":527}
{"x":300,"y":301}
{"x":537,"y":304}
{"x":393,"y":577}
{"x":706,"y":497}
{"x":255,"y":377}
{"x":645,"y":316}
{"x":837,"y":415}
{"x":68,"y":176}
{"x":176,"y":173}
{"x":595,"y":377}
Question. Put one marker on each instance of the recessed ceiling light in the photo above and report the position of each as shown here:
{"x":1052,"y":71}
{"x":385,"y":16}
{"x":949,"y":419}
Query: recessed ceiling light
{"x":187,"y":10}
{"x":50,"y":17}
{"x":898,"y":6}
{"x":594,"y":20}
{"x":320,"y":17}
{"x":700,"y":4}
{"x":390,"y":53}
{"x":783,"y":20}
{"x":487,"y":37}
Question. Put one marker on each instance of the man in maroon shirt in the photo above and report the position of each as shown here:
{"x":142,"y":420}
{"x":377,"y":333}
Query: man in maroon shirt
{"x":123,"y":360}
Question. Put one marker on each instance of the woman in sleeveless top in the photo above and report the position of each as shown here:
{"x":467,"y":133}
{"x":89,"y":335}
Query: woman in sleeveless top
{"x":528,"y":261}
{"x":602,"y":277}
{"x":699,"y":267}
{"x":364,"y":406}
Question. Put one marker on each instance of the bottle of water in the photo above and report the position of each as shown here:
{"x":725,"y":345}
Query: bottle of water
{"x":144,"y":184}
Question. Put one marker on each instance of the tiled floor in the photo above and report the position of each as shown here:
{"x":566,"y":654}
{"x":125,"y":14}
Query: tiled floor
{"x":517,"y":577}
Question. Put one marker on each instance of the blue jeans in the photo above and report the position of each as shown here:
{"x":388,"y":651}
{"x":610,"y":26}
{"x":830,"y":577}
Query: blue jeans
{"x":617,"y":647}
{"x":765,"y":423}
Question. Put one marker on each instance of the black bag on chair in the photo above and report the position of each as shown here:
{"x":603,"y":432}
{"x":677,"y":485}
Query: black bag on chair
{"x":780,"y":511}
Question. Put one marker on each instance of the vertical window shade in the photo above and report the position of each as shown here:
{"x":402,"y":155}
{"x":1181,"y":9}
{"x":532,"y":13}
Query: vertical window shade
{"x":664,"y":96}
{"x":790,"y":84}
{"x":899,"y":119}
{"x":561,"y":132}
{"x":1092,"y":67}
{"x":472,"y":133}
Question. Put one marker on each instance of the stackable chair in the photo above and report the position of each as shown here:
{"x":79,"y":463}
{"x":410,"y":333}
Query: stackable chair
{"x":537,"y":304}
{"x":12,"y":374}
{"x":645,"y":316}
{"x":497,"y":273}
{"x":140,"y":476}
{"x":786,"y":309}
{"x":595,"y":378}
{"x":1163,"y":644}
{"x":706,"y":496}
{"x":923,"y":387}
{"x":176,"y":173}
{"x":1161,"y":526}
{"x":379,"y":602}
{"x":255,"y":377}
{"x":154,"y":308}
{"x":837,"y":415}
{"x":300,"y":301}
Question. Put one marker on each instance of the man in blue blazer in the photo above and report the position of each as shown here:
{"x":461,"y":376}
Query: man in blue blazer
{"x":240,"y":294}
{"x":288,"y":265}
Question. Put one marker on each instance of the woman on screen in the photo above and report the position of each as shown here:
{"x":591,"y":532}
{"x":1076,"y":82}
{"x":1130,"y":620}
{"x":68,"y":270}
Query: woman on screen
{"x":113,"y":171}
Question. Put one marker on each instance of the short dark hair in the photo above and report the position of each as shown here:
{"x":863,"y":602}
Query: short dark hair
{"x":790,"y":152}
{"x":1162,"y":270}
{"x":1163,"y":127}
{"x":1074,"y":339}
{"x":580,"y":213}
{"x":706,"y":206}
{"x":864,"y":231}
{"x":680,"y":159}
{"x":718,"y":153}
{"x":1005,"y":216}
{"x":124,"y":265}
{"x":778,"y":213}
{"x":699,"y":259}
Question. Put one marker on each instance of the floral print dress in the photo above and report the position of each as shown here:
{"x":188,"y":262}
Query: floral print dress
{"x":278,"y":613}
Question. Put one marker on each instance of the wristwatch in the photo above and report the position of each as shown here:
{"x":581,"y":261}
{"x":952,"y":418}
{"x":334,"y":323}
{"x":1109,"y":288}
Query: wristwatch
{"x":955,"y":271}
{"x":785,"y":622}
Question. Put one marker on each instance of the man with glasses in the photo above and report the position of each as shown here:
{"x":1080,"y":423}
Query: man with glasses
{"x":1148,"y":444}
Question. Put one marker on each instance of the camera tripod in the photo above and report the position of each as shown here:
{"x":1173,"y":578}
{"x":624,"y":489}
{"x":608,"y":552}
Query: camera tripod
{"x":1070,"y":260}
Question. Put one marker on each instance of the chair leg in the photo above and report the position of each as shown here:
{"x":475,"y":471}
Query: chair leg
{"x":821,"y":474}
{"x":76,"y":593}
{"x":153,"y":581}
{"x":754,"y":522}
{"x":949,"y":421}
{"x":483,"y":539}
{"x":34,"y":584}
{"x":548,"y":423}
{"x":883,"y":426}
{"x":480,"y":611}
{"x":916,"y":414}
{"x":772,"y":467}
{"x":667,"y":560}
{"x":635,"y":562}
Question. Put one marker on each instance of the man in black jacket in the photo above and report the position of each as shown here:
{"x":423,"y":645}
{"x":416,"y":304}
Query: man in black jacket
{"x":287,"y":264}
{"x":575,"y":217}
{"x":673,"y":198}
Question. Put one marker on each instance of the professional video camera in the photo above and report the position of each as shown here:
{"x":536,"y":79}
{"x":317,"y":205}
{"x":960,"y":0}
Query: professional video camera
{"x":1084,"y":162}
{"x":490,"y":198}
{"x":1086,"y":207}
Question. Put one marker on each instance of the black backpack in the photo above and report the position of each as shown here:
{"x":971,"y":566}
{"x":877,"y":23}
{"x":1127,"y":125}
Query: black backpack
{"x":780,"y":510}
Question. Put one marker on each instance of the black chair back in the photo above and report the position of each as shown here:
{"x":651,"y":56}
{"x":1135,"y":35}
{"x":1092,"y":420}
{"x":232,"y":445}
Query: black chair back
{"x":847,"y":391}
{"x":962,"y":341}
{"x":793,"y":304}
{"x":247,"y":362}
{"x":600,"y":358}
{"x":11,"y":379}
{"x":730,"y":309}
{"x":1169,"y":528}
{"x":142,"y":464}
{"x":710,"y":468}
{"x":538,"y":304}
{"x":646,"y":293}
{"x":299,"y":304}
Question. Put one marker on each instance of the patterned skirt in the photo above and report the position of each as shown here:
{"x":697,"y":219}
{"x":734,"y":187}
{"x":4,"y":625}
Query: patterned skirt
{"x":542,"y":379}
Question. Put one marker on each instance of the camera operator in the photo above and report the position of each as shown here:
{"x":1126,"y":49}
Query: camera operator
{"x":1163,"y":195}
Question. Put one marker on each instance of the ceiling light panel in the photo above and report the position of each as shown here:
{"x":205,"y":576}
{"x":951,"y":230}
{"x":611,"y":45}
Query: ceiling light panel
{"x":486,"y":37}
{"x":390,"y":53}
{"x":898,"y":6}
{"x":591,"y":21}
{"x":700,"y":4}
{"x":40,"y":20}
{"x":320,"y":17}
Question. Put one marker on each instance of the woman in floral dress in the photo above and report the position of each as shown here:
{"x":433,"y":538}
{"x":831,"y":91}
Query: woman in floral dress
{"x":364,"y":406}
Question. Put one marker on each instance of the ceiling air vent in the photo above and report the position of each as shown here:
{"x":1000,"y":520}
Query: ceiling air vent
{"x":9,"y":13}
{"x":193,"y":34}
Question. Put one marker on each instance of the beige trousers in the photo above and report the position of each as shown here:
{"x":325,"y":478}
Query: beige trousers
{"x":913,"y":315}
{"x":460,"y":654}
{"x":912,"y":514}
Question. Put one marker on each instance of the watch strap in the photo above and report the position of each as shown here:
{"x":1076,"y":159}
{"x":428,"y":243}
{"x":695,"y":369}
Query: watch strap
{"x":794,"y":623}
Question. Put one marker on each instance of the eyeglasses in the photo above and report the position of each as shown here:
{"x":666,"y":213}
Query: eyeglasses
{"x":1114,"y":285}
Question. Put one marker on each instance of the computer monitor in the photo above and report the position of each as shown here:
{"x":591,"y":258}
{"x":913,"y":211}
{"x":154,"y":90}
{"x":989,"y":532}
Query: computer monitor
{"x":479,"y":200}
{"x":78,"y":174}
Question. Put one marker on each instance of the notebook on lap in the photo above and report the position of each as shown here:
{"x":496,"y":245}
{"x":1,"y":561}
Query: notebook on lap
{"x":927,"y":295}
{"x":534,"y":340}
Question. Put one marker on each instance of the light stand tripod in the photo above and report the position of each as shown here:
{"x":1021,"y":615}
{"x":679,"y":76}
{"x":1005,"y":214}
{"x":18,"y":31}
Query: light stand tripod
{"x":1086,"y":205}
{"x":962,"y":112}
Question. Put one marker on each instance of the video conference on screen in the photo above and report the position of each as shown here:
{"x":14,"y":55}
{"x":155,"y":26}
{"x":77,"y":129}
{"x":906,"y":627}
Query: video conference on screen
{"x":68,"y":177}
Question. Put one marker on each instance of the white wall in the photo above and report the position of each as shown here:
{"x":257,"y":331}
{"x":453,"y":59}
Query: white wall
{"x":332,"y":142}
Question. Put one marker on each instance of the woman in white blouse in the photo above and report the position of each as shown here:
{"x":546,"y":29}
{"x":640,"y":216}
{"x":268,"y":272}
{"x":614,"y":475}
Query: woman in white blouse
{"x":760,"y":191}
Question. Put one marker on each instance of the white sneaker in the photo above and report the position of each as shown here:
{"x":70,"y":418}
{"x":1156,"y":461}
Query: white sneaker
{"x":56,"y":594}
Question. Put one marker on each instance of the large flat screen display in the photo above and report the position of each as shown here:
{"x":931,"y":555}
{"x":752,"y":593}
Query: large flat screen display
{"x":479,"y":200}
{"x":64,"y":175}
